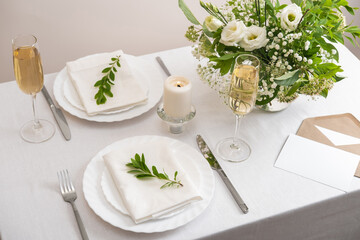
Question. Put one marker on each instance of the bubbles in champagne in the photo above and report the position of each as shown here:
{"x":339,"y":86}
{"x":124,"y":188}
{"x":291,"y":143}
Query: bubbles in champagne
{"x":243,"y":89}
{"x":28,"y":69}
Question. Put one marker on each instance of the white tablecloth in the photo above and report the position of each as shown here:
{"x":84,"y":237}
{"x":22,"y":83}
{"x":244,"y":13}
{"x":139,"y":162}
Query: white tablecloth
{"x":282,"y":205}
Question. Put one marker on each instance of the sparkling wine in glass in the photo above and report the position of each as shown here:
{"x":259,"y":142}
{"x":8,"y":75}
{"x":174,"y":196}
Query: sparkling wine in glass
{"x":242,"y":97}
{"x":30,"y":79}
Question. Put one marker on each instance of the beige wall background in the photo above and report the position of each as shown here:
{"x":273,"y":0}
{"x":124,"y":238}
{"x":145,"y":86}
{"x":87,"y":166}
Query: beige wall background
{"x":69,"y":29}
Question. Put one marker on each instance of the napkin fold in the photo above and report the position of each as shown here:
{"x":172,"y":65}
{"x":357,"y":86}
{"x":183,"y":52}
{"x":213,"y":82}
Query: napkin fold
{"x":85,"y":72}
{"x":143,"y":198}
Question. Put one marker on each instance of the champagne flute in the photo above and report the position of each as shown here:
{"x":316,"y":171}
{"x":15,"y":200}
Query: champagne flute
{"x":30,"y":79}
{"x":242,"y":97}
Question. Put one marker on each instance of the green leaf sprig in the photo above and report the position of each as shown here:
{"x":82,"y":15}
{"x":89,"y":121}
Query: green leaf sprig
{"x":108,"y":79}
{"x":141,"y":170}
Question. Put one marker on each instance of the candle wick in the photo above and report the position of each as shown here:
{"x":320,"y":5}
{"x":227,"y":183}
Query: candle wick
{"x":178,"y":85}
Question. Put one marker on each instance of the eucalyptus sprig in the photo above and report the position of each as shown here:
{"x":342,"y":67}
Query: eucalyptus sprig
{"x":141,"y":170}
{"x":108,"y":79}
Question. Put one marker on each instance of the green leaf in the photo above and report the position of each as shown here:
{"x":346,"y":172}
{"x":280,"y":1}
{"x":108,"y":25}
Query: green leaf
{"x":288,"y":78}
{"x":135,"y":163}
{"x":338,"y":78}
{"x":188,"y":14}
{"x":350,"y":10}
{"x":175,"y":174}
{"x":162,"y":176}
{"x":155,"y":171}
{"x":324,"y":93}
{"x":328,"y":70}
{"x":134,"y":171}
{"x":143,"y":175}
{"x":98,"y":83}
{"x":225,"y":57}
{"x":112,"y":75}
{"x":106,"y":70}
{"x":351,"y":40}
{"x":293,"y":89}
{"x":109,"y":93}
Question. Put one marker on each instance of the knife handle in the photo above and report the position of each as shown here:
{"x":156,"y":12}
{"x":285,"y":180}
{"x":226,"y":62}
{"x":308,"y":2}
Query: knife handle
{"x":233,"y":191}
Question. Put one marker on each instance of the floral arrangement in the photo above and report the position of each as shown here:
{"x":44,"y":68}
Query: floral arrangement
{"x":295,"y":43}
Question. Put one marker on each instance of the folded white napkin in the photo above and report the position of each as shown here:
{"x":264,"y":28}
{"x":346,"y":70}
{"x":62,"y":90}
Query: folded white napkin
{"x":85,"y":72}
{"x":143,"y":198}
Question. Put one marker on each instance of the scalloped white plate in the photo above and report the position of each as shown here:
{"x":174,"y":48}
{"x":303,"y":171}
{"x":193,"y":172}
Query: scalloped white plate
{"x":145,"y":71}
{"x":191,"y":159}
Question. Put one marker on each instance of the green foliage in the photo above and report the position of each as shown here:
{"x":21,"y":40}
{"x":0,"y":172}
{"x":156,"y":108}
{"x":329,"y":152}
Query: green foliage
{"x":141,"y":170}
{"x":188,"y":13}
{"x":288,"y":78}
{"x":298,"y":60}
{"x":192,"y":34}
{"x":107,"y":80}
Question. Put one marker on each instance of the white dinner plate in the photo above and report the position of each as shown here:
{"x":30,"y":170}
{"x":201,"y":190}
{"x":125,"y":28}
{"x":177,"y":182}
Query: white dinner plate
{"x":145,"y":71}
{"x":191,"y":159}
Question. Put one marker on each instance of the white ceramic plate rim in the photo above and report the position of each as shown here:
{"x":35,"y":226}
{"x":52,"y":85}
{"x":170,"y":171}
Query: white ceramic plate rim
{"x":97,"y":201}
{"x":155,"y":92}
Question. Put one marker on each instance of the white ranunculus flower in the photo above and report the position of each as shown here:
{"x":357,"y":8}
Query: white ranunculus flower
{"x":254,"y":38}
{"x":290,"y":17}
{"x":212,"y":23}
{"x":232,"y":33}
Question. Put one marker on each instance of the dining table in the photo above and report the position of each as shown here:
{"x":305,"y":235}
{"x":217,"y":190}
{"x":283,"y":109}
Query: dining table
{"x":282,"y":205}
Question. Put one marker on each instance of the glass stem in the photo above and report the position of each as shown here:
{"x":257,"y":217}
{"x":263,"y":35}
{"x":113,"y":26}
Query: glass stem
{"x":36,"y":120}
{"x":235,"y":144}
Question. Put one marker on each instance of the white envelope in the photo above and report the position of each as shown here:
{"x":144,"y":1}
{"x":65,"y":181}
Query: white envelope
{"x":319,"y":162}
{"x":340,"y":131}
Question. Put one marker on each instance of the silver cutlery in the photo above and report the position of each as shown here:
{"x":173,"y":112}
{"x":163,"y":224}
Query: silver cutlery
{"x":58,"y":114}
{"x":209,"y":156}
{"x":163,"y":66}
{"x":69,"y":194}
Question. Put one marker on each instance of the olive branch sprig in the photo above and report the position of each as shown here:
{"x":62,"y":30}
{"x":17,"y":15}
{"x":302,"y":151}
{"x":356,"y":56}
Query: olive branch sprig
{"x":107,"y":80}
{"x":141,"y":170}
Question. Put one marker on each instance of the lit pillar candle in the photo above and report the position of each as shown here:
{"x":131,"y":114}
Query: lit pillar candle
{"x":177,"y":96}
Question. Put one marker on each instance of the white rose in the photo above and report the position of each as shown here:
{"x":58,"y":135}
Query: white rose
{"x":212,"y":23}
{"x":232,"y":33}
{"x":290,"y":17}
{"x":255,"y":38}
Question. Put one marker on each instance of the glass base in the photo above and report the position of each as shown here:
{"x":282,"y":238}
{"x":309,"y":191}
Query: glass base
{"x":274,"y":106}
{"x":229,"y":152}
{"x":39,"y":134}
{"x":176,"y":125}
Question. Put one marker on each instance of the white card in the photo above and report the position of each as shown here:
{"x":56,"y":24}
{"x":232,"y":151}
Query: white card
{"x":319,"y":162}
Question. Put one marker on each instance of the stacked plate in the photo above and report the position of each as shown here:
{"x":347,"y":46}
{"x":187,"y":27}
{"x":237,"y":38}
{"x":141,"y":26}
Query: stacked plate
{"x":145,"y":71}
{"x":102,"y":196}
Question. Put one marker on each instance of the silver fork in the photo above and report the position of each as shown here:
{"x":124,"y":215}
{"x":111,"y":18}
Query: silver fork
{"x":69,"y":195}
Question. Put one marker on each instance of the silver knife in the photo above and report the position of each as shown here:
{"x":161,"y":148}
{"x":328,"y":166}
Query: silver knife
{"x":58,"y":114}
{"x":163,"y":66}
{"x":209,"y":156}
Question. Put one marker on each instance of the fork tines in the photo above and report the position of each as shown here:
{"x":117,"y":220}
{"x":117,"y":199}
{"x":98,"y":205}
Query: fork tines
{"x":65,"y":182}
